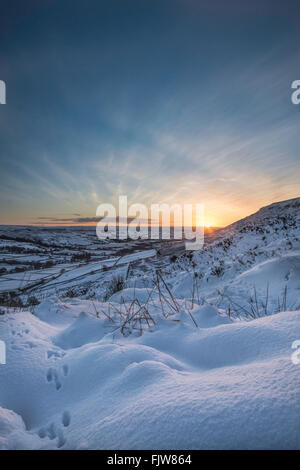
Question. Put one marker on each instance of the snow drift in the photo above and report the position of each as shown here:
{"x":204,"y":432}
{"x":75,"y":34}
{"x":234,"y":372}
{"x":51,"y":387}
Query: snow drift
{"x":221,"y":385}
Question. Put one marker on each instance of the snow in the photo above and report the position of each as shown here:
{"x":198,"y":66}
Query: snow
{"x":129,"y":294}
{"x":13,"y":434}
{"x":222,"y":385}
{"x":165,"y":366}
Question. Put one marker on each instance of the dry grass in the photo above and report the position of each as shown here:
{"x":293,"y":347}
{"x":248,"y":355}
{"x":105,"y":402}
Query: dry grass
{"x":254,"y":307}
{"x":135,"y":316}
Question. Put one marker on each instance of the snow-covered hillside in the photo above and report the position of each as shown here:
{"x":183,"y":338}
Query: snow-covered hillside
{"x":196,"y":354}
{"x":258,"y":256}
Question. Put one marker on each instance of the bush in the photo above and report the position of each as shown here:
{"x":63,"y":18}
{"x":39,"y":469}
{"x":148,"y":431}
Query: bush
{"x":217,"y":271}
{"x":116,"y":284}
{"x":70,"y":294}
{"x":11,"y":300}
{"x":32,"y":301}
{"x":81,"y":257}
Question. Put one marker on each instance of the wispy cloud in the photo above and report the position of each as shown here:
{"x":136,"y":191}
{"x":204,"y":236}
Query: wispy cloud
{"x":200,"y":111}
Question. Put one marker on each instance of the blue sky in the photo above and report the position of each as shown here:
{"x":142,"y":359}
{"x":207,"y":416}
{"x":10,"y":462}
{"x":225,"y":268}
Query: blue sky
{"x":177,"y":101}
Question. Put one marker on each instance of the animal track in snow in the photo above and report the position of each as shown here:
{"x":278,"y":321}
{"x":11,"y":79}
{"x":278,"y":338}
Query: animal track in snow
{"x":30,"y":344}
{"x":16,"y":348}
{"x":55,"y":354}
{"x":53,"y":376}
{"x":20,"y":333}
{"x":66,"y":419}
{"x":54,"y":431}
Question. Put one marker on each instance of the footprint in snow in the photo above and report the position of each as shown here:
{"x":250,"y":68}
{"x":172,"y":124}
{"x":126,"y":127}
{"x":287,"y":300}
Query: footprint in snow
{"x":30,"y":344}
{"x":55,"y":354}
{"x":66,"y":419}
{"x":53,"y":376}
{"x":54,"y":431}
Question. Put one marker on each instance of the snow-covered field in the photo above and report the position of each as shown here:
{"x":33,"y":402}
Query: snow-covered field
{"x":188,"y":351}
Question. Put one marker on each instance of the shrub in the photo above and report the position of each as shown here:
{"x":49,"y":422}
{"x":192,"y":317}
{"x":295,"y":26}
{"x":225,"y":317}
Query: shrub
{"x":81,"y":257}
{"x":32,"y":301}
{"x":217,"y":271}
{"x":116,"y":284}
{"x":70,"y":294}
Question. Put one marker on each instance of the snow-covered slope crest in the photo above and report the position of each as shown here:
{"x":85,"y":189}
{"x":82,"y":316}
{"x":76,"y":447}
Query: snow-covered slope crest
{"x":77,"y":384}
{"x":273,"y":233}
{"x":284,"y":214}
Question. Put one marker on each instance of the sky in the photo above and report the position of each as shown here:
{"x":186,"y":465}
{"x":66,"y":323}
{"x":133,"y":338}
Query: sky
{"x":165,"y":101}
